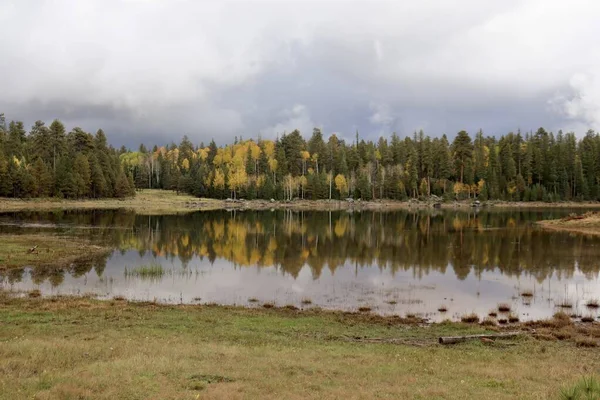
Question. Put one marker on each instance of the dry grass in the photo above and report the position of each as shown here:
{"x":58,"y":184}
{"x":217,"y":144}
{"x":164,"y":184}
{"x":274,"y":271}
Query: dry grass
{"x":586,"y":342}
{"x":565,"y":303}
{"x":470,"y":318}
{"x":593,"y":303}
{"x":146,"y":202}
{"x":587,"y":223}
{"x":51,"y":250}
{"x":84,"y":348}
{"x":488,"y":322}
{"x":504,"y":307}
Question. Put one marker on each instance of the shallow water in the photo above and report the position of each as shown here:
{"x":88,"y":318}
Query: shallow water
{"x":392,"y":262}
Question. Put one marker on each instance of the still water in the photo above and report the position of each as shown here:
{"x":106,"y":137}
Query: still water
{"x":392,"y":262}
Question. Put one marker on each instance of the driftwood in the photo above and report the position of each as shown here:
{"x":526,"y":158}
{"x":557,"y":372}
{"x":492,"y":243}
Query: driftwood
{"x":460,"y":339}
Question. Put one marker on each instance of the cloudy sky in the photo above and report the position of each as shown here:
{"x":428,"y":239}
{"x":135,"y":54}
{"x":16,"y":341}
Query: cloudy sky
{"x":152,"y":70}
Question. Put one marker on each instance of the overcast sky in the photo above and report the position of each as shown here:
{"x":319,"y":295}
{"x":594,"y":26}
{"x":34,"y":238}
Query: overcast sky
{"x":152,"y":70}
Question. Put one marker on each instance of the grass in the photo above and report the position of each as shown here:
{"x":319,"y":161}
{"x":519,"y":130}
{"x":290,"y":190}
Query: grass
{"x":146,"y":202}
{"x":593,"y":303}
{"x":55,"y":348}
{"x":488,"y":322}
{"x":470,"y":318}
{"x":504,"y":307}
{"x":150,"y":271}
{"x":565,"y":303}
{"x":51,"y":250}
{"x":587,"y":223}
{"x":586,"y":388}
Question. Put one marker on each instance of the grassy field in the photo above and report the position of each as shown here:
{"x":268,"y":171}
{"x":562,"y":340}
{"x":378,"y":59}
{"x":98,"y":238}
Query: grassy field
{"x":146,"y":202}
{"x":48,"y":250}
{"x":80,"y":348}
{"x":587,"y":223}
{"x":154,"y":202}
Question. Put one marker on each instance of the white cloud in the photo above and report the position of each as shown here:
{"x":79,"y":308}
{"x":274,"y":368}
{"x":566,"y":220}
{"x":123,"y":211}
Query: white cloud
{"x":223,"y":68}
{"x":296,"y":117}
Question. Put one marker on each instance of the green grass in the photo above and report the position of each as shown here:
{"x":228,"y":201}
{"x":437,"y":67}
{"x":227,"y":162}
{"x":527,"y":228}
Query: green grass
{"x":150,"y":271}
{"x":68,"y":348}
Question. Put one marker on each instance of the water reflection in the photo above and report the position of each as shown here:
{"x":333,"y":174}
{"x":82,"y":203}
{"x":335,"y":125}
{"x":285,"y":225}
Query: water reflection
{"x":393,"y":261}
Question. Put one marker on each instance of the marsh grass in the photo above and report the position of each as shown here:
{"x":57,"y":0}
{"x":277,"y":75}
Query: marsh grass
{"x":488,"y":322}
{"x":504,"y":307}
{"x":470,"y":318}
{"x":149,"y":271}
{"x":565,"y":303}
{"x":593,"y":303}
{"x":586,"y":388}
{"x":90,"y":348}
{"x":513,"y":318}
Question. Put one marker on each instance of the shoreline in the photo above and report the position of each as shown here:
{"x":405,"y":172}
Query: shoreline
{"x":586,"y":224}
{"x":154,"y":202}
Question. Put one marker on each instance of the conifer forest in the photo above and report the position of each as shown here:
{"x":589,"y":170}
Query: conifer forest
{"x":49,"y":161}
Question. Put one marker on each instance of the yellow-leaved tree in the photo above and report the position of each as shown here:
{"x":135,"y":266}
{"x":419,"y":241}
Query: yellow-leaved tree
{"x":341,"y":185}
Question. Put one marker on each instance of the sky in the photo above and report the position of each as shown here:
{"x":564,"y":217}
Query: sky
{"x":152,"y":71}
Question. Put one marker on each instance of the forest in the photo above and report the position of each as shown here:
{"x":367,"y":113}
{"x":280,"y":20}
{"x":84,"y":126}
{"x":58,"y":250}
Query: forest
{"x":534,"y":166}
{"x":49,"y":162}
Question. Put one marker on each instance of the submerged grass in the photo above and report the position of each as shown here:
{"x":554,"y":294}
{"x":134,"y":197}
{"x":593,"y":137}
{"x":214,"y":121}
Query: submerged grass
{"x":150,"y":271}
{"x":593,"y":303}
{"x":504,"y":307}
{"x":55,"y":348}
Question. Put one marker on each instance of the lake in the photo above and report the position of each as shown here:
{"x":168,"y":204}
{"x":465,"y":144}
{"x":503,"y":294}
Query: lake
{"x":397,"y":262}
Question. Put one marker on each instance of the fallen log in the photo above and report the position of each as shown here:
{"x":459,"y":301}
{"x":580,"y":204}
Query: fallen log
{"x":460,"y":339}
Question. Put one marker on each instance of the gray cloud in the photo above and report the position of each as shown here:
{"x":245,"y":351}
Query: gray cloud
{"x":152,"y":71}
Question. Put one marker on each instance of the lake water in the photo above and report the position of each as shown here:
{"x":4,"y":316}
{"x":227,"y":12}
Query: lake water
{"x":392,"y":262}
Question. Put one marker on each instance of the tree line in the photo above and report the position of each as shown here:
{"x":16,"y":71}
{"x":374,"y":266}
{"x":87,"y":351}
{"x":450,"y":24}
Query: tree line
{"x":535,"y":166}
{"x":49,"y":162}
